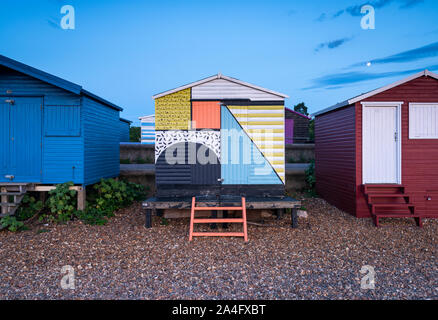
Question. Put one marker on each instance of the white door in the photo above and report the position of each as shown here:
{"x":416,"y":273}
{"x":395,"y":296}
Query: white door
{"x":380,"y":145}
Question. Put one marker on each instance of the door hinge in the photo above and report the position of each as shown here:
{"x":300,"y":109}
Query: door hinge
{"x":395,"y":136}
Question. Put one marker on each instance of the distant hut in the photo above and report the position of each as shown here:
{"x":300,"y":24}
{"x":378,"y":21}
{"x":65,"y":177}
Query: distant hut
{"x":147,"y":129}
{"x":125,"y":125}
{"x":296,"y":127}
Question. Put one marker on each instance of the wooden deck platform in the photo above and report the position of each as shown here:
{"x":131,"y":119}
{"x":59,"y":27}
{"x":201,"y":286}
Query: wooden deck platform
{"x":157,"y":204}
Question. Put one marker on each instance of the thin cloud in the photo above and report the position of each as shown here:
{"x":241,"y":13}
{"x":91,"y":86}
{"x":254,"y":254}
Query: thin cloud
{"x":428,"y":51}
{"x":377,"y":4}
{"x":355,"y":10}
{"x":322,"y":17}
{"x":410,"y":3}
{"x":338,"y":79}
{"x":332,"y":44}
{"x":52,"y":22}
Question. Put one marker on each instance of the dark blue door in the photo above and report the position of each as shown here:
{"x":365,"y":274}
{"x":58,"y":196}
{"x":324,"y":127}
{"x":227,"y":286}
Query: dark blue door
{"x":23,"y":160}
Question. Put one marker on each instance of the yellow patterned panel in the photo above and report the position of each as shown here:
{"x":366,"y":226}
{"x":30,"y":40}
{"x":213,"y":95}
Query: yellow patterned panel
{"x":172,"y":112}
{"x":257,"y":121}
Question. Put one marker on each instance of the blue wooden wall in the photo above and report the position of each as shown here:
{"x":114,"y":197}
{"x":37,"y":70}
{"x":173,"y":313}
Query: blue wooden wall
{"x":124,"y":131}
{"x":241,"y":161}
{"x":101,"y":141}
{"x":79,"y":136}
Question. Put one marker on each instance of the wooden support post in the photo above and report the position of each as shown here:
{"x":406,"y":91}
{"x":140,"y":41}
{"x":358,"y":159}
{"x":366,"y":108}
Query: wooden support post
{"x":214,"y":216}
{"x":192,"y":217}
{"x":148,"y":218}
{"x":82,"y":197}
{"x":245,"y":227}
{"x":43,"y":196}
{"x":4,"y":199}
{"x":294,"y":217}
{"x":160,"y":212}
{"x":225,"y":216}
{"x":279,"y":213}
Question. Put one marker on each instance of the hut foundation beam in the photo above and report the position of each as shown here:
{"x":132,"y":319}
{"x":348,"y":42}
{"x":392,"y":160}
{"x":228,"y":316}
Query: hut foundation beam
{"x":4,"y":199}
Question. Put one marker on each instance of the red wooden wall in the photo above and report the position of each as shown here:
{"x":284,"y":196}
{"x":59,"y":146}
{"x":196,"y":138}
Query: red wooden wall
{"x":335,"y":158}
{"x":419,"y":156}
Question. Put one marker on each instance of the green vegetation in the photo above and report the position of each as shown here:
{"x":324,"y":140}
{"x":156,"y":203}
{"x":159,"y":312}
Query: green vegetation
{"x":311,"y":179}
{"x":125,"y":161}
{"x":12,"y":224}
{"x":29,"y":207}
{"x":134,"y":134}
{"x":61,"y":203}
{"x":104,"y":198}
{"x":301,"y":108}
{"x":111,"y":195}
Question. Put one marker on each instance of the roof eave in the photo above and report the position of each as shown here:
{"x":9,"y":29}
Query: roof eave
{"x":125,"y":120}
{"x":298,"y":113}
{"x":53,"y":80}
{"x":217,"y":76}
{"x":353,"y":100}
{"x":334,"y":107}
{"x":40,"y":75}
{"x":101,"y":100}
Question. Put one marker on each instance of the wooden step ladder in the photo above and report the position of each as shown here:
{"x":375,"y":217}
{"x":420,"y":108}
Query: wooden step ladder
{"x":11,"y":195}
{"x":242,"y":220}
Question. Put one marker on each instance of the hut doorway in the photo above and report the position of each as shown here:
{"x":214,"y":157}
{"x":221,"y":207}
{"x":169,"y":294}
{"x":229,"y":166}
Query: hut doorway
{"x":20,"y":139}
{"x":381,"y":143}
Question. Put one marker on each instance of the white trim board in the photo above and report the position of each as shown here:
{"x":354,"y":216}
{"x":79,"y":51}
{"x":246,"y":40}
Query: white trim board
{"x":219,"y":76}
{"x":410,"y":126}
{"x":398,"y":105}
{"x":152,"y":116}
{"x":348,"y":102}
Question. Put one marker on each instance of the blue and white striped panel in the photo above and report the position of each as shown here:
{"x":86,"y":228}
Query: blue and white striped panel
{"x":147,"y":132}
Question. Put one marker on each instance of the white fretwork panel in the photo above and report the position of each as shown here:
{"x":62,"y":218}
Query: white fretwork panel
{"x":208,"y":138}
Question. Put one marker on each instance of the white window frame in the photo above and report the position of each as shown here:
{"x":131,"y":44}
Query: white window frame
{"x":398,"y":105}
{"x":413,"y":104}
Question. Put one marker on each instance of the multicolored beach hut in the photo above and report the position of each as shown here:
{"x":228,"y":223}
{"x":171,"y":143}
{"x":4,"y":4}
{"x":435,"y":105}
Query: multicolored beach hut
{"x":219,"y":135}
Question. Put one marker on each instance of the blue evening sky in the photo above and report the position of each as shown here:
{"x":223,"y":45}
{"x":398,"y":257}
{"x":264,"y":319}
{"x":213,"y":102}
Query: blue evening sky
{"x":313,"y":51}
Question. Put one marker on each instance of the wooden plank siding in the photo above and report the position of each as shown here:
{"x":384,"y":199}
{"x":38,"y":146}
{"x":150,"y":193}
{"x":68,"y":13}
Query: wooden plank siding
{"x":62,"y":156}
{"x":101,"y":141}
{"x":335,"y":158}
{"x":300,"y":126}
{"x":419,"y":156}
{"x":221,"y":89}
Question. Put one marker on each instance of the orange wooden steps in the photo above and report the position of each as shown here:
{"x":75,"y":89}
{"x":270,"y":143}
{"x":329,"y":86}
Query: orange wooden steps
{"x":242,"y":220}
